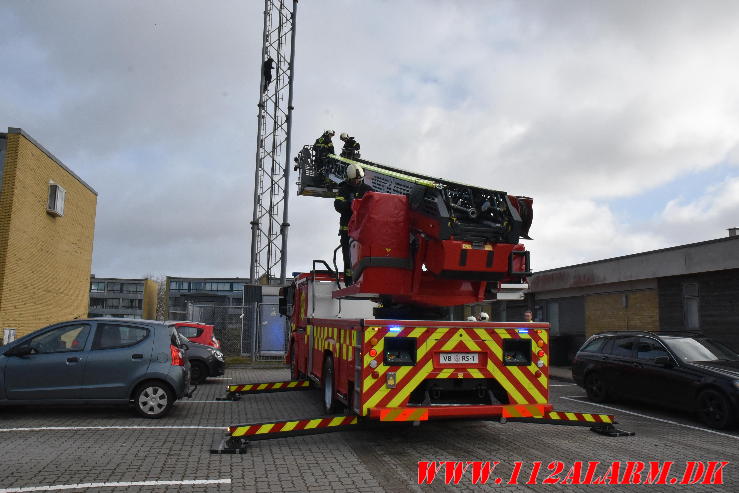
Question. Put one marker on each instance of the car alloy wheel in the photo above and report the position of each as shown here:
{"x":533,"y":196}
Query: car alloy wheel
{"x":714,"y":409}
{"x":596,"y":388}
{"x":153,"y":400}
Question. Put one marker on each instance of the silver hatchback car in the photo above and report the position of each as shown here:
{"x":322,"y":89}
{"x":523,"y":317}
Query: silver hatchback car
{"x":97,"y":361}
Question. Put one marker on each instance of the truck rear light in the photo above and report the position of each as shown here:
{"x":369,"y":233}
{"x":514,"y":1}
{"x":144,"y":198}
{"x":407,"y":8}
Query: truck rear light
{"x":540,"y":353}
{"x":373,"y":363}
{"x":375,"y":374}
{"x":177,"y":359}
{"x":373,"y":352}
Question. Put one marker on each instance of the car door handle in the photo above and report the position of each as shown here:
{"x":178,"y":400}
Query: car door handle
{"x":73,"y":359}
{"x":137,"y":356}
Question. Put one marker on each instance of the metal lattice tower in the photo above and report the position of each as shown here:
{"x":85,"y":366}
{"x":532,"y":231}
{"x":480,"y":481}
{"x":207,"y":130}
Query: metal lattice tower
{"x":269,"y":224}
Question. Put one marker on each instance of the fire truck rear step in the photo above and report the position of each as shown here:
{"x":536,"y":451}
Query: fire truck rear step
{"x":234,"y":392}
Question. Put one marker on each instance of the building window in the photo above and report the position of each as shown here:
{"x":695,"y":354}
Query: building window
{"x":691,"y":313}
{"x":132,"y":303}
{"x":553,"y":317}
{"x":133,"y":287}
{"x":55,"y":204}
{"x":97,"y":302}
{"x":97,"y":287}
{"x":114,"y":287}
{"x":112,"y":303}
{"x":179,"y":286}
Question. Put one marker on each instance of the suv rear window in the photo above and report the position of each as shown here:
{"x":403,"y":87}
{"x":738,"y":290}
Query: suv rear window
{"x":594,"y":346}
{"x":624,"y":347}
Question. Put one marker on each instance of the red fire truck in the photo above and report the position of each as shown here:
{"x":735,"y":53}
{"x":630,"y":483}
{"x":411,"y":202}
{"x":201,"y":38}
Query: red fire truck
{"x":385,"y":348}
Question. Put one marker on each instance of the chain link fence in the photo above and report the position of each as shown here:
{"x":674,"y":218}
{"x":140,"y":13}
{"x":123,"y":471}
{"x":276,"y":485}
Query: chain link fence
{"x":234,"y":327}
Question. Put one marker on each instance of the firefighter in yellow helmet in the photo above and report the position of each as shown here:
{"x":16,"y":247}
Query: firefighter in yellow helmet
{"x":353,"y":187}
{"x":323,"y":147}
{"x":351,"y":146}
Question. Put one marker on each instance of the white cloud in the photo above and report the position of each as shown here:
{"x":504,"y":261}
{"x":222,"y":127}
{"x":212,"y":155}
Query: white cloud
{"x":573,"y":103}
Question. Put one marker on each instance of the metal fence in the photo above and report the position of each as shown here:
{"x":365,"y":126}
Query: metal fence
{"x":234,"y":328}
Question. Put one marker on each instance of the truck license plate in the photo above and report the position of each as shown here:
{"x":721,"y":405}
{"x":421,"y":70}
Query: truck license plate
{"x":457,"y":358}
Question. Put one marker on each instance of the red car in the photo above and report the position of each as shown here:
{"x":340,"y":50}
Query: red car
{"x":197,"y":332}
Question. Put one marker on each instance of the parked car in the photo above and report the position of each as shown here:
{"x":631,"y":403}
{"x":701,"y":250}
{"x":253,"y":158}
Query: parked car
{"x":100,"y":360}
{"x":205,"y":361}
{"x":678,"y":370}
{"x":198,"y":332}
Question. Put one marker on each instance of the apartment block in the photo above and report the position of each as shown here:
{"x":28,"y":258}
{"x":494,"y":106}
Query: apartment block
{"x":124,"y":298}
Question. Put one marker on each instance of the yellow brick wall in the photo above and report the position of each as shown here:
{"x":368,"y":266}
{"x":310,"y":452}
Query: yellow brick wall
{"x":150,"y":299}
{"x":607,"y":311}
{"x":45,"y":261}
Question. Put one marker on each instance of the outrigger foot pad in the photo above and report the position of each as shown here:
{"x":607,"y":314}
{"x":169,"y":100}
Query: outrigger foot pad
{"x":611,"y":431}
{"x":230,"y":445}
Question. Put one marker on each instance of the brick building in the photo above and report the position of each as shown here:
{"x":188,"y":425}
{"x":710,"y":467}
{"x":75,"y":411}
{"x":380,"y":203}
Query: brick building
{"x":47,"y":221}
{"x":124,"y":298}
{"x":688,"y":287}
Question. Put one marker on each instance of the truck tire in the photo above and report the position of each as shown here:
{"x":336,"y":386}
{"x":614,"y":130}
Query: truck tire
{"x":330,"y":405}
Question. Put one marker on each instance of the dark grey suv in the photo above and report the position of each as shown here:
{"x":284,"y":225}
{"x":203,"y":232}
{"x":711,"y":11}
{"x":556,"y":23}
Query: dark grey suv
{"x":100,"y":360}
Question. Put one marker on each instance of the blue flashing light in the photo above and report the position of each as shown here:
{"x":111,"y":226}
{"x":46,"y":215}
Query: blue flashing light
{"x":395,"y":329}
{"x":523,"y":331}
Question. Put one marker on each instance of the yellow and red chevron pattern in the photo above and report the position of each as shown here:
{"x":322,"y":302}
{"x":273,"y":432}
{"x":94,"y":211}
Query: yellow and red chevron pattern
{"x":404,"y":414}
{"x":523,"y":384}
{"x":523,"y":411}
{"x":269,"y":387}
{"x":339,"y":340}
{"x":590,"y":418}
{"x":291,"y":427}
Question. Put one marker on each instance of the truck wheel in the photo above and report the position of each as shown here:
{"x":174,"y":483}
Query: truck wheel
{"x":596,"y":388}
{"x":714,"y":409}
{"x":330,"y":406}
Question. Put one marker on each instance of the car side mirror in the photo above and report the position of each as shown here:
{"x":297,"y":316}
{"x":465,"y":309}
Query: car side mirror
{"x":21,"y":350}
{"x":663,"y":361}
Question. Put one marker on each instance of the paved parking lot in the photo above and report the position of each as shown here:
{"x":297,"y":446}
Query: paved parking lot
{"x":72,"y":446}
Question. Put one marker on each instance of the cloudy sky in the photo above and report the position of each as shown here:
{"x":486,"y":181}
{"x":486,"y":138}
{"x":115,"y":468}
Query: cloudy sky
{"x":620,"y":118}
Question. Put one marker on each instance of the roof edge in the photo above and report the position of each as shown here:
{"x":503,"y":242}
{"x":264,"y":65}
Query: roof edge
{"x":631,"y":255}
{"x":20,"y":131}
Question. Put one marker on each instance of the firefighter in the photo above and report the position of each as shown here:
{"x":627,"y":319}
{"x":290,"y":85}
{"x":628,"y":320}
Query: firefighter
{"x":351,"y":147}
{"x":323,"y":147}
{"x":267,"y":67}
{"x":353,"y":187}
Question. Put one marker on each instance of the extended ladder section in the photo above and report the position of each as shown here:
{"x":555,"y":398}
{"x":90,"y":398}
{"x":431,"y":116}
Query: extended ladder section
{"x":425,"y":241}
{"x":471,"y":213}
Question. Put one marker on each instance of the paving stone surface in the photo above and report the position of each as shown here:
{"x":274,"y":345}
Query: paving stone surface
{"x":43,"y":446}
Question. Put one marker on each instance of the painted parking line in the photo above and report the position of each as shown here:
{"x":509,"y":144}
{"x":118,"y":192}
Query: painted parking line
{"x":120,"y":484}
{"x":220,"y":378}
{"x":562,"y":384}
{"x":189,"y":401}
{"x":577,"y":398}
{"x":81,"y":428}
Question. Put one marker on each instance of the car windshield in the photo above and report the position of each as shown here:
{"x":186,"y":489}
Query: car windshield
{"x":700,"y":349}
